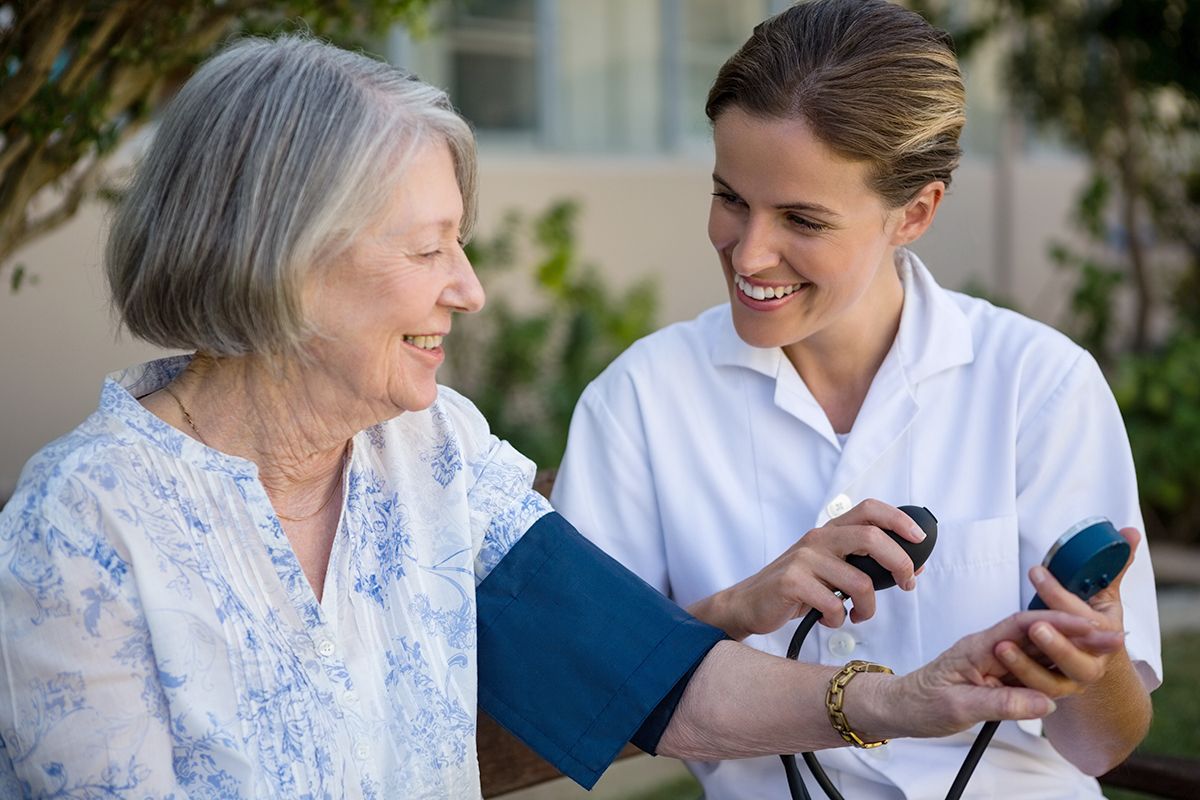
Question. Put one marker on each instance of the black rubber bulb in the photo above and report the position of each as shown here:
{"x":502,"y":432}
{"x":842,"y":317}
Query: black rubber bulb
{"x":917,"y":551}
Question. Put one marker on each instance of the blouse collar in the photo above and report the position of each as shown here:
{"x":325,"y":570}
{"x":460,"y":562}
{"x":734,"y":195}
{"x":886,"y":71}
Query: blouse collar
{"x":119,"y":400}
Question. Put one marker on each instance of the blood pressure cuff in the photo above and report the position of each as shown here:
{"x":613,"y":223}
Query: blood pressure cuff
{"x":577,"y":655}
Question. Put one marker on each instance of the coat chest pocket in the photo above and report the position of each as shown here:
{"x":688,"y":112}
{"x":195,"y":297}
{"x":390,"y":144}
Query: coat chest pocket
{"x":971,"y":580}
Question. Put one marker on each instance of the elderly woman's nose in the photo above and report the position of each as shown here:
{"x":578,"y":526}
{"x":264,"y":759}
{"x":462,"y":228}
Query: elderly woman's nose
{"x":465,"y":292}
{"x":756,"y":249}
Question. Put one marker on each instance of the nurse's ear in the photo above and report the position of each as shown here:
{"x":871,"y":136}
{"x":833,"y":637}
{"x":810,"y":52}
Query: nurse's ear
{"x":914,"y":217}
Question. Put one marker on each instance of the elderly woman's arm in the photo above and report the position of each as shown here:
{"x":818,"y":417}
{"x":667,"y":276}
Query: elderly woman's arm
{"x":742,"y":703}
{"x":577,"y":656}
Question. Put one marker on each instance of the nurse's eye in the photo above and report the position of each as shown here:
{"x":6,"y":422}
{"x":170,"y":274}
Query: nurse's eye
{"x":729,"y":199}
{"x":807,"y":224}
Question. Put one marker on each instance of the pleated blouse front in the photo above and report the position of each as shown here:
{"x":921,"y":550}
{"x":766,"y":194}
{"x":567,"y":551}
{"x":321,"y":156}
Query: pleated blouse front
{"x":159,"y":636}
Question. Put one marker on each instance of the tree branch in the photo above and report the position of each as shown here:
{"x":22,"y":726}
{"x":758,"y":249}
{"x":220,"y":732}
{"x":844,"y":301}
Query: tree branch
{"x":45,"y":32}
{"x":97,"y":44}
{"x":65,"y":210}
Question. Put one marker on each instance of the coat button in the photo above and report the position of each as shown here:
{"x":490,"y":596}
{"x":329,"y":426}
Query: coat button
{"x":841,"y":644}
{"x":838,"y":506}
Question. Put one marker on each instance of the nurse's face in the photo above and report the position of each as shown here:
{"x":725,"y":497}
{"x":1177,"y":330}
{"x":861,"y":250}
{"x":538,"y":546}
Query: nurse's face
{"x":805,"y":245}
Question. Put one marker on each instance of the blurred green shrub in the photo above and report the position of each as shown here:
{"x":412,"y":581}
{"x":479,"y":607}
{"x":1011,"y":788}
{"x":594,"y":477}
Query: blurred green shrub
{"x":1159,"y":395}
{"x":542,"y":336}
{"x":1119,"y":81}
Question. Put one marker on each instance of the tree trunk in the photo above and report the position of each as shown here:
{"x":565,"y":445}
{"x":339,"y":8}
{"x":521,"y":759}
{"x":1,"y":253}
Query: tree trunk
{"x":1128,"y":170}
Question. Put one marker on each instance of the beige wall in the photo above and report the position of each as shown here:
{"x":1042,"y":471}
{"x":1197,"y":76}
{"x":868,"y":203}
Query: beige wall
{"x":637,"y":217}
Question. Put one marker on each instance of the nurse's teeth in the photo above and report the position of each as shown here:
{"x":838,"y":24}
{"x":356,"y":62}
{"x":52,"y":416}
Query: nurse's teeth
{"x":764,"y":292}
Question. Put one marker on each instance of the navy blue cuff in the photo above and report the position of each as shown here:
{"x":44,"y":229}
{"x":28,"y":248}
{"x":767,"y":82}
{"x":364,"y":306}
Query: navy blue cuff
{"x":577,"y":655}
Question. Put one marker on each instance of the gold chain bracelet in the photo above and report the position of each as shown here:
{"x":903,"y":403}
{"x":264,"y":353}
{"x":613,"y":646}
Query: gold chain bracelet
{"x":837,"y":694}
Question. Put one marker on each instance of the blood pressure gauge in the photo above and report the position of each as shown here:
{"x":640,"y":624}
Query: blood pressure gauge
{"x":1086,"y":559}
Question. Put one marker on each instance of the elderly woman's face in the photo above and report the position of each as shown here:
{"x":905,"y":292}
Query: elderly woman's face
{"x":386,"y":306}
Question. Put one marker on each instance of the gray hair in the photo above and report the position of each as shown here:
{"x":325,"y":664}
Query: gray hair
{"x":265,"y":166}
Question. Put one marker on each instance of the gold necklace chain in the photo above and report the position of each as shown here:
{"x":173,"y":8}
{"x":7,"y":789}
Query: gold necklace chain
{"x":191,"y":424}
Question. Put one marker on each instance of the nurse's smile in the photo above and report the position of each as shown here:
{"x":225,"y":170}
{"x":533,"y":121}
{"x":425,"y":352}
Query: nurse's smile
{"x":762,"y":296}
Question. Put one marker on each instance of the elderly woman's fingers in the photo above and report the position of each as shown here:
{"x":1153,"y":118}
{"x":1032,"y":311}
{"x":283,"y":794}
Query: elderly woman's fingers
{"x":1096,"y":641}
{"x":1015,"y":627}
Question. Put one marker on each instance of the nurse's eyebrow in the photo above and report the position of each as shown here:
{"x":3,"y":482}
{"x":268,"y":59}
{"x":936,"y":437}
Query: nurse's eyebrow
{"x":816,"y":208}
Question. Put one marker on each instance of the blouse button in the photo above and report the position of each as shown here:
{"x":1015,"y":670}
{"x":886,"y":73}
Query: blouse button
{"x":362,"y":750}
{"x":350,"y":697}
{"x":325,"y":648}
{"x":838,"y":506}
{"x":841,"y":644}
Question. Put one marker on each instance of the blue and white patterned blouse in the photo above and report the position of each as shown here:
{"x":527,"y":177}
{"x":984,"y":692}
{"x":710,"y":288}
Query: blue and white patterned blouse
{"x":158,"y":637}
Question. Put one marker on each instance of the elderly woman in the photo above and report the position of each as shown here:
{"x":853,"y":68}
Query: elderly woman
{"x":290,"y":564}
{"x":841,"y":371}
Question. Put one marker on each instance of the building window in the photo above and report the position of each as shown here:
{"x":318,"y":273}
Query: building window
{"x":618,"y":76}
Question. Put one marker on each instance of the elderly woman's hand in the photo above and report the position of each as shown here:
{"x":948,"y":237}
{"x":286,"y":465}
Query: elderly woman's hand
{"x":957,"y":689}
{"x":807,"y":574}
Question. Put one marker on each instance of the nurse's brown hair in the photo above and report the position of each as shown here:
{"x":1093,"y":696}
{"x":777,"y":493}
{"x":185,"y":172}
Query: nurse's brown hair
{"x":873,"y":81}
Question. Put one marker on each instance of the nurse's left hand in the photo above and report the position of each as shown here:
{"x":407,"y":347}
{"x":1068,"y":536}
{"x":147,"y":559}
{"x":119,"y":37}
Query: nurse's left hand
{"x":1078,"y":662}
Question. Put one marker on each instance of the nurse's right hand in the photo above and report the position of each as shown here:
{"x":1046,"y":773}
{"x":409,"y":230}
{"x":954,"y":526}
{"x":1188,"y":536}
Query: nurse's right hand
{"x":807,"y":574}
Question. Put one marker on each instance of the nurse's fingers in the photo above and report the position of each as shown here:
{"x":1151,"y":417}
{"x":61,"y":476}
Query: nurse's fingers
{"x":853,"y":583}
{"x":881,"y":515}
{"x":868,"y":540}
{"x":1057,"y":596}
{"x":1033,"y":675}
{"x":832,"y":607}
{"x":1134,"y":537}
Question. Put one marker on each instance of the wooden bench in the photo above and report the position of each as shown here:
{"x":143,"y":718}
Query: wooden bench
{"x":505,"y":764}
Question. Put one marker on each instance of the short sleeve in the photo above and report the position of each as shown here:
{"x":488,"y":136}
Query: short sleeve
{"x":1074,"y":462}
{"x":500,"y":495}
{"x":606,"y":458}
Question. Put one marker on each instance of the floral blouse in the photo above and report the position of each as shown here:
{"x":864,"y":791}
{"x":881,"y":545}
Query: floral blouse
{"x":159,"y":639}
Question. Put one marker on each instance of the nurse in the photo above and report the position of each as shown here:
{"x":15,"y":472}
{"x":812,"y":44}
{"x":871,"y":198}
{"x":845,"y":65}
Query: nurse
{"x":841,"y":371}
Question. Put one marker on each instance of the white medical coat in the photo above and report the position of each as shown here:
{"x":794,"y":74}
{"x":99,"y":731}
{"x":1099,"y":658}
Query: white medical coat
{"x":697,"y":459}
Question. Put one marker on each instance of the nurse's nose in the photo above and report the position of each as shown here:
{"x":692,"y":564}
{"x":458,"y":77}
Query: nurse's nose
{"x":756,"y":249}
